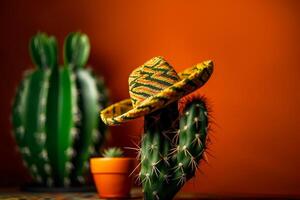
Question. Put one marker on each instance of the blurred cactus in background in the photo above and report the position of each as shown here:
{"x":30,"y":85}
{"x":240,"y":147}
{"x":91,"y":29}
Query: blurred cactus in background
{"x":55,"y":112}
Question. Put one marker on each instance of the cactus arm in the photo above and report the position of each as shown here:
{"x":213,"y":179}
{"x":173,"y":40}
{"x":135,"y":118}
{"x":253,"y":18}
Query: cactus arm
{"x":18,"y":115}
{"x":191,"y":144}
{"x":76,"y":50}
{"x":43,"y":51}
{"x":192,"y":138}
{"x":88,"y":114}
{"x":34,"y":123}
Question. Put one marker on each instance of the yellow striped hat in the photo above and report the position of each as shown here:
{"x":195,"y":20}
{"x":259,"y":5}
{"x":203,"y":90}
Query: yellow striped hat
{"x":154,"y":85}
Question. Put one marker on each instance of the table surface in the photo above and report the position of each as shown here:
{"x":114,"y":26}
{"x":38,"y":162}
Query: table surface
{"x":16,"y":194}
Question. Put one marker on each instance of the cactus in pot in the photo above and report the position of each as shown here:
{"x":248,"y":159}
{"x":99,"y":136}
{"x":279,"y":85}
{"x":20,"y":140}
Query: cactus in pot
{"x":111,"y":173}
{"x":54,"y":113}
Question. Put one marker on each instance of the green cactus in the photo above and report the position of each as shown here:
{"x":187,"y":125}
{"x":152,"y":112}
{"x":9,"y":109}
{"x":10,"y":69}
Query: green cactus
{"x":55,"y":112}
{"x":171,"y":148}
{"x":113,"y":152}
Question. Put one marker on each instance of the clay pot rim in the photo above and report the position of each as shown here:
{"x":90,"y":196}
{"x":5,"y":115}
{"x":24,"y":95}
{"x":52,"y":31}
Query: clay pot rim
{"x":99,"y":159}
{"x":117,"y":165}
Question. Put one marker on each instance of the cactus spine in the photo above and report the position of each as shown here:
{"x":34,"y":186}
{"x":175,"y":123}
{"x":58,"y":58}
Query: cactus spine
{"x":54,"y":114}
{"x":172,"y":147}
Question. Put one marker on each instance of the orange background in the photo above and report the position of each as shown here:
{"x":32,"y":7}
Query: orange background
{"x":254,"y":90}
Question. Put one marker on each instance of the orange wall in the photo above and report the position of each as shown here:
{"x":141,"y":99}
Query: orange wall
{"x":254,"y":90}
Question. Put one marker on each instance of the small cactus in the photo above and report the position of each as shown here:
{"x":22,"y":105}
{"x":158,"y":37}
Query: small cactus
{"x":114,"y":152}
{"x":54,"y":114}
{"x":171,"y":148}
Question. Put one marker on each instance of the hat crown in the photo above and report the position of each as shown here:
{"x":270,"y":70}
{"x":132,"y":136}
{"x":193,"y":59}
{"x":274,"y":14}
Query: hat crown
{"x":150,"y":79}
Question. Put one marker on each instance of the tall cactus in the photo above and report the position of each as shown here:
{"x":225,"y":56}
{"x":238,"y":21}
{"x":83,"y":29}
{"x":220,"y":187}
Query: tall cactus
{"x":54,"y":113}
{"x":172,"y":147}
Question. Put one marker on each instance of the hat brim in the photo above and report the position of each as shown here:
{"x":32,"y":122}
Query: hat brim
{"x":190,"y":79}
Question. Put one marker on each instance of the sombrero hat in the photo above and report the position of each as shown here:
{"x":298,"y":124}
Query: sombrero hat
{"x":154,"y":85}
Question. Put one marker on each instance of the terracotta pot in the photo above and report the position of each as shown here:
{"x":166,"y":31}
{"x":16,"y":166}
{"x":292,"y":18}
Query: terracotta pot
{"x":111,"y":176}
